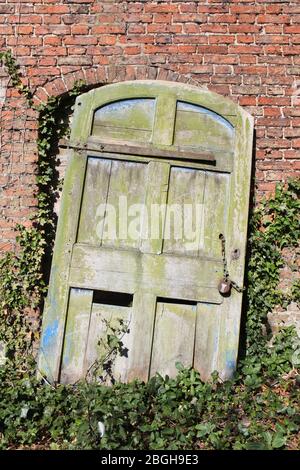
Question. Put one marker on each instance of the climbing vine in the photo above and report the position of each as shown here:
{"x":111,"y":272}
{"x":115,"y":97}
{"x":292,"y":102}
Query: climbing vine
{"x":13,"y":70}
{"x":274,"y":226}
{"x":257,"y":409}
{"x":23,"y":274}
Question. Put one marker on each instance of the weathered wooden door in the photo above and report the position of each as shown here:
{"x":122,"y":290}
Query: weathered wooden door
{"x":159,"y":170}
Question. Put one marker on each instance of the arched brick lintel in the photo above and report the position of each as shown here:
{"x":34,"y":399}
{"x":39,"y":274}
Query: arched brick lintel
{"x":95,"y":76}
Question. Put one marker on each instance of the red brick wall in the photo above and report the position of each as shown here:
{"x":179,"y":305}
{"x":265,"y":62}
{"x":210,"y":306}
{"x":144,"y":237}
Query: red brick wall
{"x":246,"y":50}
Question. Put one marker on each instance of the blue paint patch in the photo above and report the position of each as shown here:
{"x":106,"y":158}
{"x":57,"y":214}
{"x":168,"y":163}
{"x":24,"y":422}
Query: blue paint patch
{"x":121,"y":111}
{"x":216,"y":344}
{"x":230,"y":361}
{"x":49,"y":334}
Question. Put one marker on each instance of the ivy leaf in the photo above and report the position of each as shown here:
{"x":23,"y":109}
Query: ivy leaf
{"x":279,"y":440}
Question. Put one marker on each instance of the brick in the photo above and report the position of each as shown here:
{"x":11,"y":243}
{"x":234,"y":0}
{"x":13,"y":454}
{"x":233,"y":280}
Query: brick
{"x":220,"y":59}
{"x":52,"y":51}
{"x":6,"y":29}
{"x":272,"y":39}
{"x":75,"y":60}
{"x":228,"y":19}
{"x":24,"y":29}
{"x":25,"y":19}
{"x":285,"y":19}
{"x":79,"y":29}
{"x":209,"y":28}
{"x":51,"y":9}
{"x":252,"y":70}
{"x":187,"y":18}
{"x":249,"y":90}
{"x":291,"y":50}
{"x":132,"y":50}
{"x":245,"y":38}
{"x":247,"y":101}
{"x":292,"y":29}
{"x":80,"y":40}
{"x":245,"y":49}
{"x":160,"y":8}
{"x":164,"y":28}
{"x":52,"y":19}
{"x":296,"y":143}
{"x":109,"y":29}
{"x":221,"y":39}
{"x":275,"y":101}
{"x":53,"y":41}
{"x":244,"y":28}
{"x":246,"y":19}
{"x":292,"y":132}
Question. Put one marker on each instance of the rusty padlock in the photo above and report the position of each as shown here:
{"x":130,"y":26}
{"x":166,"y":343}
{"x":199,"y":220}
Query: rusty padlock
{"x":224,"y":286}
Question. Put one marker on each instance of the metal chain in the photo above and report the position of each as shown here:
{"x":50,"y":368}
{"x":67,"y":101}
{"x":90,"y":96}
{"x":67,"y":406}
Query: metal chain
{"x":225,"y":267}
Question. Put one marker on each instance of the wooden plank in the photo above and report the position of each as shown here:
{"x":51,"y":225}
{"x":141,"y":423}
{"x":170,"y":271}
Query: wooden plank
{"x":228,"y":345}
{"x":184,"y":211}
{"x":156,"y":196}
{"x":56,"y":304}
{"x":215,"y":212}
{"x":173,"y":340}
{"x":76,"y":334}
{"x":165,"y":275}
{"x":163,"y":131}
{"x":126,"y":191}
{"x":95,"y":193}
{"x":207,"y":339}
{"x":218,"y":161}
{"x":104,"y":317}
{"x":140,"y":338}
{"x":158,"y":150}
{"x":217,"y":337}
{"x":236,"y":239}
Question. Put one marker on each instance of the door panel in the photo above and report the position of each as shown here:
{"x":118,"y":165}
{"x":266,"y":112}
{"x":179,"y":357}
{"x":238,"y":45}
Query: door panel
{"x":184,"y":211}
{"x":110,"y":187}
{"x":215,"y":212}
{"x":155,"y":204}
{"x":174,"y":335}
{"x":95,"y":194}
{"x":105,"y":318}
{"x":75,"y":340}
{"x":199,"y":126}
{"x":130,"y":120}
{"x":126,"y":195}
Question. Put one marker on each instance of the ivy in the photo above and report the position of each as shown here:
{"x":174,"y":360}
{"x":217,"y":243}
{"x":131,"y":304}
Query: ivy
{"x":13,"y":70}
{"x":274,"y":226}
{"x":180,"y":413}
{"x":23,"y":274}
{"x":257,"y":409}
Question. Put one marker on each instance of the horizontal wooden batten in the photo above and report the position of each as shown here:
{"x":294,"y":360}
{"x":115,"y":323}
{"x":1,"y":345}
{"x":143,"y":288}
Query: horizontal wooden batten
{"x":170,"y":276}
{"x":214,"y":160}
{"x":180,"y":153}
